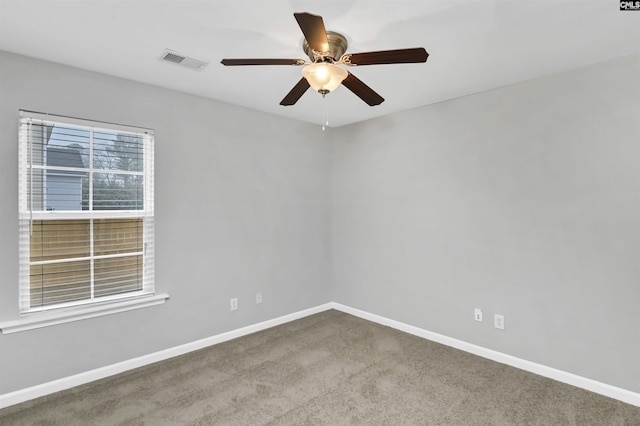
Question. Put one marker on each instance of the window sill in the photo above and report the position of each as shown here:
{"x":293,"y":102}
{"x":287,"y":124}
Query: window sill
{"x":47,"y":319}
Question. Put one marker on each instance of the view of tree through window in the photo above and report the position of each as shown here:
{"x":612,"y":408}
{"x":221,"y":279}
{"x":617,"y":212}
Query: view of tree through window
{"x":113,"y":153}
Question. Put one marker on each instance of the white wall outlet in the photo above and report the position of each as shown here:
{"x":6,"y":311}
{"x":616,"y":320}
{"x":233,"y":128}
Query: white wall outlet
{"x":258,"y":298}
{"x":234,"y":304}
{"x":498,"y":321}
{"x":477,"y":314}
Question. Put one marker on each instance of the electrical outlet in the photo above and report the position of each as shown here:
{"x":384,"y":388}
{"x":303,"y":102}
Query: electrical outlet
{"x":258,"y":298}
{"x":498,"y":321}
{"x":477,"y":314}
{"x":234,"y":304}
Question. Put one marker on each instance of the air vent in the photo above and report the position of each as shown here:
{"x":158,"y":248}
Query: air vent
{"x":184,"y":60}
{"x":172,"y":57}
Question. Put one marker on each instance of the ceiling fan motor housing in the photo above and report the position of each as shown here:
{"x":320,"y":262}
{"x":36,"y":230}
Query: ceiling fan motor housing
{"x":337,"y":47}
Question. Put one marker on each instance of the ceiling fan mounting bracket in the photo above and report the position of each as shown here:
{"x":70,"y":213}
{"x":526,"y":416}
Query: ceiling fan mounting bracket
{"x":337,"y":46}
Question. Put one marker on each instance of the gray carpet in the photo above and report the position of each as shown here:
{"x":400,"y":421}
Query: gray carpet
{"x":326,"y":369}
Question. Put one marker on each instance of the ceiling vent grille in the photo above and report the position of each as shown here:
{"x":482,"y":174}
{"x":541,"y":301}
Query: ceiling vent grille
{"x":184,"y":60}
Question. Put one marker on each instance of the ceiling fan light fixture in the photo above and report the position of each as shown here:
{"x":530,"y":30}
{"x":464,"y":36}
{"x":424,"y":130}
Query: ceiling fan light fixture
{"x":324,"y":77}
{"x":326,"y":50}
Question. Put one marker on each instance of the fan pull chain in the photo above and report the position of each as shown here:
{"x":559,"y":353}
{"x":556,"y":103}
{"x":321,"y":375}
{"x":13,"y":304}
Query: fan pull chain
{"x":325,"y":114}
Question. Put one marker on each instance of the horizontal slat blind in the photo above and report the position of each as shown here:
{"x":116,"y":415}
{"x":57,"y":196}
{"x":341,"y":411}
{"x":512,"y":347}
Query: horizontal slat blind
{"x":86,"y":212}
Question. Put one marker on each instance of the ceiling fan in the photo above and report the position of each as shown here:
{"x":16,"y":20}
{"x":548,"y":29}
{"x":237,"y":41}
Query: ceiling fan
{"x":326,"y":49}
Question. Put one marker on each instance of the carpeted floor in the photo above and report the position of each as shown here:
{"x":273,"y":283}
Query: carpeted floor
{"x":326,"y":369}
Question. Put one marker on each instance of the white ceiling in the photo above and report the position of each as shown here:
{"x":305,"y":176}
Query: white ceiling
{"x":474,"y":45}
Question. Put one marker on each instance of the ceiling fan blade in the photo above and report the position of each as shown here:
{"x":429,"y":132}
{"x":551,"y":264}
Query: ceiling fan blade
{"x":234,"y":62}
{"x":398,"y":56}
{"x":362,"y":91}
{"x":295,"y":93}
{"x":312,"y":27}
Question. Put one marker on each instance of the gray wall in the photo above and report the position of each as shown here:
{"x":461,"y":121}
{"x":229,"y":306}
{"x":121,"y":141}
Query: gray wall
{"x":242,"y":203}
{"x":524,"y":201}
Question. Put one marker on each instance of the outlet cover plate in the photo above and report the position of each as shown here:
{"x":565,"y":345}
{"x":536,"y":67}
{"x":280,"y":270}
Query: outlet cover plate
{"x":498,"y":321}
{"x":477,"y":314}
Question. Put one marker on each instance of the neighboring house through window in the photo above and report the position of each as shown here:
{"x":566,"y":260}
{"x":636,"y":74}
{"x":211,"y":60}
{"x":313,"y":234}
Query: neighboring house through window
{"x":64,"y":188}
{"x":86,"y":212}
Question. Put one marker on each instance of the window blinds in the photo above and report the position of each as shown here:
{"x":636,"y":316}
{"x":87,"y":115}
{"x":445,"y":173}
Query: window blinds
{"x":86,"y":212}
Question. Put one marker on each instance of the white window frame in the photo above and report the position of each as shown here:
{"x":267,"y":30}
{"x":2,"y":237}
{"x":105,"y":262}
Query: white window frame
{"x":34,"y":317}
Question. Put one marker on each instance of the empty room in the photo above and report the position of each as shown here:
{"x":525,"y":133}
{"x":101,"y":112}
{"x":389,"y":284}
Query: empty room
{"x":320,"y":213}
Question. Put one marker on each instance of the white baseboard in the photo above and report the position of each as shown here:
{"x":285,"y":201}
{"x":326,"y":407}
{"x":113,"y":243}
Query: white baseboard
{"x":623,"y":395}
{"x":33,"y":392}
{"x":43,"y":389}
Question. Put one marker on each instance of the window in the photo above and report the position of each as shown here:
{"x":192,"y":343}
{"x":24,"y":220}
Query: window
{"x":86,"y":212}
